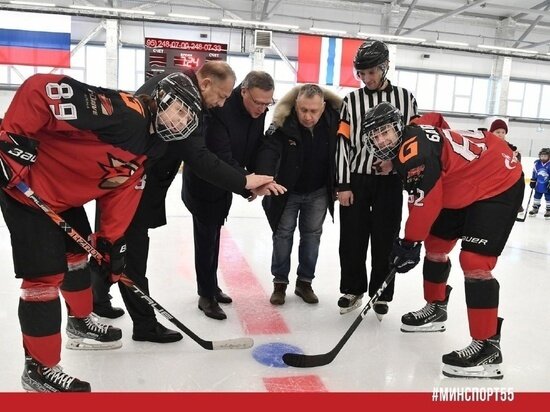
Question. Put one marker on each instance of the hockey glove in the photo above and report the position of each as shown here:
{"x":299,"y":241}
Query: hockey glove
{"x":405,"y":255}
{"x":114,"y":256}
{"x":17,"y":154}
{"x":532,"y":184}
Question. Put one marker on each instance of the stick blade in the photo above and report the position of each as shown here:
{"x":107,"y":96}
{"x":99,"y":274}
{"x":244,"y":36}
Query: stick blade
{"x":299,"y":360}
{"x":237,"y":343}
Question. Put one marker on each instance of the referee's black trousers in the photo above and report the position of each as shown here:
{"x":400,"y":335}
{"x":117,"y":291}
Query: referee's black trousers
{"x":375,"y":216}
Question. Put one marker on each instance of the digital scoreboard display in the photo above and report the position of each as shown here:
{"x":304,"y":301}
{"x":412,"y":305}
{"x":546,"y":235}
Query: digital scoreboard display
{"x":166,"y":55}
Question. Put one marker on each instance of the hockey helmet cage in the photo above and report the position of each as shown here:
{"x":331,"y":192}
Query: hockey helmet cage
{"x":376,"y":122}
{"x":178,"y":107}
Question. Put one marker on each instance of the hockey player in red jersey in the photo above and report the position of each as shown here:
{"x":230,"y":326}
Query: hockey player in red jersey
{"x":464,"y":186}
{"x":72,"y":143}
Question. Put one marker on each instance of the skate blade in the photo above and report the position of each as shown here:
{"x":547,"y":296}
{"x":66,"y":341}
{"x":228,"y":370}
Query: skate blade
{"x":379,"y":316}
{"x":91,"y":344}
{"x":429,"y":327}
{"x":358,"y":303}
{"x":474,"y":372}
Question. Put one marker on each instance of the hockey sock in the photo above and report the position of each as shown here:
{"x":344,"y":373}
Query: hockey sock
{"x":40,"y":318}
{"x":76,"y":288}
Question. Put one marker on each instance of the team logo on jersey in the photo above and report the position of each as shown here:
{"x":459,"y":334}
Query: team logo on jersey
{"x":510,"y":162}
{"x":408,"y":150}
{"x":414,"y":178}
{"x":117,"y":172}
{"x":106,"y":105}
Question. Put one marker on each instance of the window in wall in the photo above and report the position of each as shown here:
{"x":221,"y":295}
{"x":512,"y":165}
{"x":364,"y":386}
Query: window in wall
{"x":18,"y":74}
{"x":241,"y":65}
{"x":531,"y":100}
{"x":407,"y":79}
{"x":545,"y":102}
{"x":284,"y":73}
{"x":425,"y":95}
{"x":127,"y":69}
{"x":444,"y":93}
{"x":463,"y":93}
{"x":4,"y":78}
{"x":480,"y":91}
{"x":95,"y":65}
{"x":516,"y":92}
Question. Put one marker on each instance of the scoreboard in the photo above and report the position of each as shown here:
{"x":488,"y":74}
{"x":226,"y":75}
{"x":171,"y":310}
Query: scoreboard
{"x":165,"y":55}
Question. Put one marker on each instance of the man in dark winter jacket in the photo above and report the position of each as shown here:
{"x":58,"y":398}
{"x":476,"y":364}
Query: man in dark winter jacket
{"x":299,"y":150}
{"x":233,"y":133}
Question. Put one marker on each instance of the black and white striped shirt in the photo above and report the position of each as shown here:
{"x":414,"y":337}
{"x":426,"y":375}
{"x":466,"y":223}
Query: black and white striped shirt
{"x":351,"y":153}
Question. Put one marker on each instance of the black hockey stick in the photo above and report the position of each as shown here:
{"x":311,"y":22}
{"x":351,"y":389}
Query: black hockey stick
{"x":522,"y":219}
{"x":299,"y":360}
{"x":238,"y":343}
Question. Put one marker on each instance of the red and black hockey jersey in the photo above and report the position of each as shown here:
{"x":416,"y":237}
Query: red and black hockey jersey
{"x":450,"y":169}
{"x":92,"y":144}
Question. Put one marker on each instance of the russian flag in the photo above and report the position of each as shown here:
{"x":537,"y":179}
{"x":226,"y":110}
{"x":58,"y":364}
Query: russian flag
{"x":327,"y":60}
{"x":34,"y":39}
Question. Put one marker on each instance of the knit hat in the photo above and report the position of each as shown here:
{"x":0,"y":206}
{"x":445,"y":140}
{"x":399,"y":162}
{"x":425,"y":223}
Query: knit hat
{"x":498,"y":124}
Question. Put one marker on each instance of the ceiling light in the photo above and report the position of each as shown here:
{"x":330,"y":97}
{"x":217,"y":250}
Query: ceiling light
{"x":452,"y":43}
{"x":261,"y":23}
{"x":33,"y":3}
{"x":509,"y":49}
{"x":188,"y":16}
{"x":392,"y":37}
{"x":321,"y":30}
{"x":116,"y":10}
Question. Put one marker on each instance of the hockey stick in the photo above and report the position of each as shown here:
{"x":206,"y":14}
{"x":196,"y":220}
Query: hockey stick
{"x":522,"y":219}
{"x":238,"y":343}
{"x":299,"y":360}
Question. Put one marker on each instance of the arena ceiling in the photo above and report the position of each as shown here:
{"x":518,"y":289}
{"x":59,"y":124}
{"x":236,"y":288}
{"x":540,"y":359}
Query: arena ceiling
{"x":523,"y":25}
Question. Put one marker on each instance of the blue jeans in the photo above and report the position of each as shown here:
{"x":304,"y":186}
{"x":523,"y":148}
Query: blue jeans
{"x":311,"y":209}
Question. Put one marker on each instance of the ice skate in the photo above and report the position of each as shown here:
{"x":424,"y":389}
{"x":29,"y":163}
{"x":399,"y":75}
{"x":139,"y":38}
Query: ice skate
{"x":481,"y":359}
{"x":431,"y":318}
{"x":39,"y":378}
{"x":380,"y":308}
{"x":89,"y":334}
{"x":349,"y":302}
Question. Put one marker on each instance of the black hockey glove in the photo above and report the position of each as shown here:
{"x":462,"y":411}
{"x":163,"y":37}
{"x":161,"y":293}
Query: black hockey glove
{"x":405,"y":255}
{"x":114,"y":257}
{"x":17,"y":153}
{"x":532,"y":184}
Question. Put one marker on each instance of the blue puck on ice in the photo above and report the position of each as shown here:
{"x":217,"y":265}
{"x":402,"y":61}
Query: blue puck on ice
{"x":271,"y":354}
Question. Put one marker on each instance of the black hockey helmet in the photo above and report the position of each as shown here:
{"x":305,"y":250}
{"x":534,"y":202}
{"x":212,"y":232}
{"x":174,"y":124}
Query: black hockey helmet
{"x":545,"y":151}
{"x":370,"y":54}
{"x":376,"y":122}
{"x":178,"y":107}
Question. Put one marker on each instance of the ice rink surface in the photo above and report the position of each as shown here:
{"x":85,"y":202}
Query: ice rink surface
{"x":377,"y":358}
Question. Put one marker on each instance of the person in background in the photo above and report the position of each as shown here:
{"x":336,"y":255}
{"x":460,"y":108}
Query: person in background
{"x":540,"y":183}
{"x":299,"y":150}
{"x":232,"y":132}
{"x":369,"y":191}
{"x":440,"y":169}
{"x":500,"y":128}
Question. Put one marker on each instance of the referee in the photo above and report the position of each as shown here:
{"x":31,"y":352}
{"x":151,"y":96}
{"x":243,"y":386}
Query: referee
{"x":369,"y":192}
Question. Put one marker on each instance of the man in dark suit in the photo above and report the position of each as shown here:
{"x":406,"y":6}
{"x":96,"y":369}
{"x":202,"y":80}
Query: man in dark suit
{"x":233,"y":133}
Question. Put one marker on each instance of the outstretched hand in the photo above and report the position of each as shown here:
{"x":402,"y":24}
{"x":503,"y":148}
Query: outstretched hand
{"x":272,"y":188}
{"x":253,"y":180}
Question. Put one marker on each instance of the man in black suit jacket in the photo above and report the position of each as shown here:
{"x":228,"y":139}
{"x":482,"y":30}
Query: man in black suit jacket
{"x":233,"y":133}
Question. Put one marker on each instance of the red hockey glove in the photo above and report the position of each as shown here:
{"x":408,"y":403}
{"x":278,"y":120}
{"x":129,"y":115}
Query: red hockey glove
{"x":114,"y":256}
{"x":17,"y":154}
{"x":405,"y":255}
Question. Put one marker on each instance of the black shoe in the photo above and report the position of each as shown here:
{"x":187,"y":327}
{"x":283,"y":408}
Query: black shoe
{"x":109,"y":312}
{"x":211,"y":308}
{"x":305,"y":291}
{"x":159,"y":334}
{"x":222,"y":297}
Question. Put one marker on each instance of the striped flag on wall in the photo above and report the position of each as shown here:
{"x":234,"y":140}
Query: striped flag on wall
{"x":327,"y":60}
{"x":35,"y":39}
